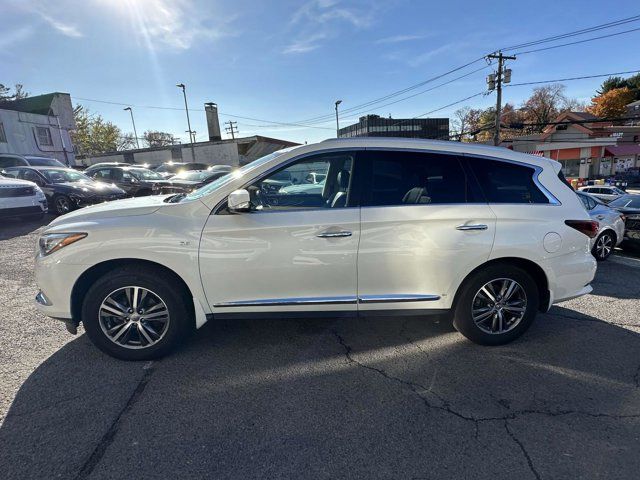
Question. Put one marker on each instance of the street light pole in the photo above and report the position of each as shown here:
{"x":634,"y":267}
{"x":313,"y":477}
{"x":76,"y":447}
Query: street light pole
{"x":338,"y":102}
{"x":135,"y":133}
{"x":186,"y":107}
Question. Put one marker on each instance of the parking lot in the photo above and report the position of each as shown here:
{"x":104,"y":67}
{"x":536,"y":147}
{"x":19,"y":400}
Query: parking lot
{"x":325,"y":398}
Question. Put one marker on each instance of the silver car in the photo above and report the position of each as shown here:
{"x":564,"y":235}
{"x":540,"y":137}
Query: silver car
{"x":606,"y":193}
{"x":611,"y":230}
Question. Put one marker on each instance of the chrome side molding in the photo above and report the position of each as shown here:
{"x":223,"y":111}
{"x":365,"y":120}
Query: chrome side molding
{"x":397,"y":298}
{"x":345,"y":300}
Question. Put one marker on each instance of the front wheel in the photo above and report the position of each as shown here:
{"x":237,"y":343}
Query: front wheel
{"x":62,"y":204}
{"x":136,"y":313}
{"x":603,"y":246}
{"x":496,"y":305}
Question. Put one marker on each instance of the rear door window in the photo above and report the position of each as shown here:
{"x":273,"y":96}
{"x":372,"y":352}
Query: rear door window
{"x":412,"y":178}
{"x":505,"y":182}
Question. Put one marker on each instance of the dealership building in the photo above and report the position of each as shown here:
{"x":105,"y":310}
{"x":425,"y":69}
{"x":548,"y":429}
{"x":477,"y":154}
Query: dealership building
{"x":376,"y":126}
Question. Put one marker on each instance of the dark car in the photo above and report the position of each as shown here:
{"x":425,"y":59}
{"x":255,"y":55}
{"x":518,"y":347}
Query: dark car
{"x":14,"y":160}
{"x":65,"y":188}
{"x":188,"y":181}
{"x":169,"y":169}
{"x":135,"y":181}
{"x":629,"y":206}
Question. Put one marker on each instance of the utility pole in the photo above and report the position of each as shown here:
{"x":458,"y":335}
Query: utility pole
{"x":135,"y":133}
{"x":186,"y":107}
{"x":338,"y":102}
{"x":495,"y":81}
{"x":232,"y":129}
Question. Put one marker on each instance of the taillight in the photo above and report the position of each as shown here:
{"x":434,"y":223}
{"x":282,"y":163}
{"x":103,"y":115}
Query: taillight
{"x":588,"y":227}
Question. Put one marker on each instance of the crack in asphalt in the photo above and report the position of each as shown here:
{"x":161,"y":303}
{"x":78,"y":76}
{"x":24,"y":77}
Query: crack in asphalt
{"x":523,"y":449}
{"x":108,"y":438}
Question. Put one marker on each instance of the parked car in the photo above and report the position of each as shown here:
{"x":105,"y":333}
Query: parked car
{"x":611,"y":226}
{"x":190,"y":180}
{"x":605,"y":193}
{"x":20,"y":198}
{"x":170,"y":169}
{"x":135,"y":181}
{"x":65,"y":188}
{"x":629,"y":205}
{"x":407,"y":227}
{"x":13,"y":160}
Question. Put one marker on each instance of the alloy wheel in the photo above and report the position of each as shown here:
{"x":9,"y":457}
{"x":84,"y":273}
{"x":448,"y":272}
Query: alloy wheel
{"x":134,"y":317}
{"x":499,"y":306}
{"x":62,"y":205}
{"x":604,"y":245}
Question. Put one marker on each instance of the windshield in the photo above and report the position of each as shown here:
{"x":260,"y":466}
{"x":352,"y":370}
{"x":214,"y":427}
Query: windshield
{"x":44,"y":162}
{"x":194,"y":176}
{"x":628,"y":201}
{"x":216,"y":184}
{"x":144,"y":174}
{"x":64,"y":176}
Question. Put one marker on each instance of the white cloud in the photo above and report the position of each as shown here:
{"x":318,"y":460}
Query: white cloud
{"x":319,"y":20}
{"x":399,"y":39}
{"x":8,"y":38}
{"x":66,"y":29}
{"x":305,"y":45}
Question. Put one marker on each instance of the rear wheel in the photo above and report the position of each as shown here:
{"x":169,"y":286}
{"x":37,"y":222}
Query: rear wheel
{"x":496,"y":305}
{"x":603,"y":247}
{"x":136,"y":314}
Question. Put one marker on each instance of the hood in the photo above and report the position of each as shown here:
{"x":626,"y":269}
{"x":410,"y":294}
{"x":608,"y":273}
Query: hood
{"x":88,"y":188}
{"x":14,"y":182}
{"x":118,"y":208}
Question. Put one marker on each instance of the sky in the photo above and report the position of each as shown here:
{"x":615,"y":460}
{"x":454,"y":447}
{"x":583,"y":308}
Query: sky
{"x":287,"y":62}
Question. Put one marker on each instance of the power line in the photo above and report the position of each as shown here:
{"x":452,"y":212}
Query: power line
{"x":578,"y":41}
{"x":575,"y":33}
{"x":572,"y":78}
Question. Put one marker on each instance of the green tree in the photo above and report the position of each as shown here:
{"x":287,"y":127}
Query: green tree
{"x":95,"y":135}
{"x":7,"y":95}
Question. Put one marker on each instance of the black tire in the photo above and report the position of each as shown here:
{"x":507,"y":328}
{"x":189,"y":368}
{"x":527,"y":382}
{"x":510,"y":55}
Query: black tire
{"x":62,"y":204}
{"x":604,"y":245}
{"x":161,"y":285}
{"x":463,"y":319}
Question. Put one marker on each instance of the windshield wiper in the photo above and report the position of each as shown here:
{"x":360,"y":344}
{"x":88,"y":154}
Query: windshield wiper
{"x":175,"y":198}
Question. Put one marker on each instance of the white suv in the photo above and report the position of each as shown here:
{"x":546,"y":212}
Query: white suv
{"x":20,"y":198}
{"x":407,"y":227}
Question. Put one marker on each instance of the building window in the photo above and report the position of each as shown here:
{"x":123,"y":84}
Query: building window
{"x":44,"y":136}
{"x":3,"y":135}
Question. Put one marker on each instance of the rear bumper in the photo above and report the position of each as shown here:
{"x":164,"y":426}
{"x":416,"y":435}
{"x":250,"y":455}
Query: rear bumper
{"x":569,"y":276}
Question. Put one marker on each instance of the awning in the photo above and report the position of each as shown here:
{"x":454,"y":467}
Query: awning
{"x":622,"y":150}
{"x":537,"y":153}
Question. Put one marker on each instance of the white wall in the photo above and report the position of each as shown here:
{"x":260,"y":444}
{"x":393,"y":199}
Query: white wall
{"x":20,"y":129}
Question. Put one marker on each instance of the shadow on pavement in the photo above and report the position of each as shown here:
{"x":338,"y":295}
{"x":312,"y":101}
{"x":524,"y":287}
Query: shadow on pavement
{"x":365,"y":398}
{"x":17,"y":227}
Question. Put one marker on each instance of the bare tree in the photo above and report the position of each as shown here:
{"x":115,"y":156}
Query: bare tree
{"x":153,"y":138}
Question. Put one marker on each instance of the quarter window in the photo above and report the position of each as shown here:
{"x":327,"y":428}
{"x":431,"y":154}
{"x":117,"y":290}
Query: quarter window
{"x":44,"y":136}
{"x":410,"y":178}
{"x":322,"y":181}
{"x":504,"y":182}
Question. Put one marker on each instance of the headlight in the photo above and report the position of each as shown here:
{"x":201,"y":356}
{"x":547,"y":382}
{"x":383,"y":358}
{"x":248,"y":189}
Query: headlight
{"x":50,"y":242}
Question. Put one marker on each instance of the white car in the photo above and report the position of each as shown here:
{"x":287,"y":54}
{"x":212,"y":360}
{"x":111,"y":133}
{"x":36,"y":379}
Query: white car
{"x":611,"y":226}
{"x":605,"y":193}
{"x":408,"y":227}
{"x":20,"y":198}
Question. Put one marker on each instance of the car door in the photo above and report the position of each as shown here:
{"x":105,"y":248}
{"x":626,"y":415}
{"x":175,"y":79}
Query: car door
{"x":35,"y":177}
{"x":294,"y":251}
{"x":424,"y":226}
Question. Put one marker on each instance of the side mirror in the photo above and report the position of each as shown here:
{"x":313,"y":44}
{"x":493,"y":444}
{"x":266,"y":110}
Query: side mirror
{"x":239,"y":201}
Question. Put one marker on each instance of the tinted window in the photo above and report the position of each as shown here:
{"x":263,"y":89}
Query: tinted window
{"x":9,"y":162}
{"x":627,"y":201}
{"x":504,"y":182}
{"x":412,"y":178}
{"x":101,"y":174}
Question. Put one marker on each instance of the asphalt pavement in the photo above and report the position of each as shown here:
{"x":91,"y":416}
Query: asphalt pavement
{"x":404,"y":398}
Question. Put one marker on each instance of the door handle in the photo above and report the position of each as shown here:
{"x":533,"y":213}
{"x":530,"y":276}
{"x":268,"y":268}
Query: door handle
{"x":341,"y":233}
{"x":599,"y":217}
{"x":478,"y":226}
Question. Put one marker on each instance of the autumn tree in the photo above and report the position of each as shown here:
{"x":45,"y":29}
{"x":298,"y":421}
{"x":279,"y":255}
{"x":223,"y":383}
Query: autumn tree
{"x":95,"y":135}
{"x":611,"y":103}
{"x":154,"y":138}
{"x":614,"y":83}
